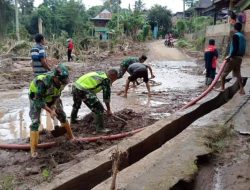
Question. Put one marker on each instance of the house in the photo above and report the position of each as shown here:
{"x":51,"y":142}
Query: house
{"x":202,"y":5}
{"x":100,"y":23}
{"x":177,"y":16}
{"x":219,"y":8}
{"x":243,"y":5}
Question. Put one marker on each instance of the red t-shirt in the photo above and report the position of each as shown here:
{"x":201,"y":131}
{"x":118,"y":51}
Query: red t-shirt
{"x":71,"y":45}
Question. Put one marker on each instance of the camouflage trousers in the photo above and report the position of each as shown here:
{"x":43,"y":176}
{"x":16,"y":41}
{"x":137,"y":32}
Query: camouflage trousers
{"x":35,"y":113}
{"x":89,"y":98}
{"x":122,"y":71}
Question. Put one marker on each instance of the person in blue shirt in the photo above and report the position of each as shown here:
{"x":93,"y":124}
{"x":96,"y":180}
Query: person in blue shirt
{"x":38,"y":56}
{"x":234,"y":59}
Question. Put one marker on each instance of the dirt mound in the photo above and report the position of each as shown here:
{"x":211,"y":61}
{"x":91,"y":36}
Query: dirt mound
{"x":23,"y":172}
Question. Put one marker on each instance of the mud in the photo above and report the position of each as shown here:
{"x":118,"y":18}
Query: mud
{"x":179,"y":82}
{"x":228,"y":168}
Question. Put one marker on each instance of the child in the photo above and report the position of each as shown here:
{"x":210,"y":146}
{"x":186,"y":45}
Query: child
{"x":210,"y":56}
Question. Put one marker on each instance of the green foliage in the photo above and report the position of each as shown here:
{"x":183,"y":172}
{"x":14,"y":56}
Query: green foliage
{"x":139,"y":6}
{"x":193,"y":25}
{"x":181,"y":27}
{"x":160,"y":16}
{"x":94,"y":11}
{"x":112,"y":5}
{"x":7,"y":183}
{"x":217,"y":142}
{"x":7,"y":16}
{"x":146,"y":29}
{"x":140,"y":36}
{"x":46,"y":173}
{"x":130,"y":23}
{"x":200,"y":42}
{"x":182,"y":43}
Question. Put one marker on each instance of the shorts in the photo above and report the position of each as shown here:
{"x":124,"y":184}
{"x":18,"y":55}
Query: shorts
{"x":139,"y":74}
{"x":234,"y":65}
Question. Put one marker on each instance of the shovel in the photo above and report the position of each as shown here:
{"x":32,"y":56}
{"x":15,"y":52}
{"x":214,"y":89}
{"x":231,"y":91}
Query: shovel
{"x":58,"y":131}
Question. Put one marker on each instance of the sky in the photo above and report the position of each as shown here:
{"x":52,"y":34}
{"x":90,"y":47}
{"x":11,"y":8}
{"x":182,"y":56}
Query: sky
{"x":173,"y":5}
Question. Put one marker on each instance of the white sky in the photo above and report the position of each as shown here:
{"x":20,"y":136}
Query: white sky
{"x":173,"y":5}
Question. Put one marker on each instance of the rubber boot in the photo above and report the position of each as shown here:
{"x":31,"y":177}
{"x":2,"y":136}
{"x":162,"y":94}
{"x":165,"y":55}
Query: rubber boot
{"x":34,"y":137}
{"x":73,"y":116}
{"x":68,"y":129}
{"x":100,"y":124}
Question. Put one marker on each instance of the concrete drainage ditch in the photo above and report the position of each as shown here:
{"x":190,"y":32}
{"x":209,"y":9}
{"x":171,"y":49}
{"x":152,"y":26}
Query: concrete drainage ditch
{"x":91,"y":172}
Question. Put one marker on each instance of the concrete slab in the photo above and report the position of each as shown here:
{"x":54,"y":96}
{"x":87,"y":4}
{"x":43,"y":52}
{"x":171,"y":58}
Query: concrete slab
{"x":175,"y":161}
{"x":93,"y":171}
{"x":165,"y":167}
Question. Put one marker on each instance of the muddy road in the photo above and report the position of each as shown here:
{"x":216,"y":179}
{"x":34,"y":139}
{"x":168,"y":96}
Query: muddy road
{"x":178,"y":80}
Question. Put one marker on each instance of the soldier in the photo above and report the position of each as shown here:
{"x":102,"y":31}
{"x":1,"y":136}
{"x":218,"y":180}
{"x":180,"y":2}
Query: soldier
{"x":85,"y":89}
{"x":44,"y":93}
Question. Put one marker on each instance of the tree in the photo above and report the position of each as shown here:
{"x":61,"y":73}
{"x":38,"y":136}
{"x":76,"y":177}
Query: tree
{"x":26,"y":6}
{"x":160,"y":16}
{"x":7,"y":16}
{"x":112,"y":5}
{"x":181,"y":27}
{"x":94,"y":11}
{"x":139,"y":6}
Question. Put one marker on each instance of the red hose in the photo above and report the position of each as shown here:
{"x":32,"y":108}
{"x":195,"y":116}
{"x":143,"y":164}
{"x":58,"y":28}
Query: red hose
{"x":117,"y":136}
{"x":207,"y":90}
{"x":86,"y":139}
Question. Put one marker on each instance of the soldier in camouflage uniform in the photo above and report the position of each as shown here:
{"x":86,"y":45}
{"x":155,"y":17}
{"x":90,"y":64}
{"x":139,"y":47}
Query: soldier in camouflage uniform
{"x":128,"y":61}
{"x":85,"y":89}
{"x":44,"y":93}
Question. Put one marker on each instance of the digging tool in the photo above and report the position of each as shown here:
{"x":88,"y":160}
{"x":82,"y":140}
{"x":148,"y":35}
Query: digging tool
{"x":58,"y":131}
{"x":125,"y":122}
{"x":117,"y":117}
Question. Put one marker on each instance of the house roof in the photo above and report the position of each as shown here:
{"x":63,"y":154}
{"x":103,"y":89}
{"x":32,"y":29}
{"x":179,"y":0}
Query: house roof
{"x":243,"y":4}
{"x":202,"y":4}
{"x":104,"y":15}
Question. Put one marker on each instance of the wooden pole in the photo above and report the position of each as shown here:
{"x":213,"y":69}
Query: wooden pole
{"x":17,"y":21}
{"x":40,"y":25}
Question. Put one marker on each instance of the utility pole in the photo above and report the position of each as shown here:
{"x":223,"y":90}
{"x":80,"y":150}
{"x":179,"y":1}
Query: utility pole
{"x":17,"y":20}
{"x":184,"y":9}
{"x":40,"y":25}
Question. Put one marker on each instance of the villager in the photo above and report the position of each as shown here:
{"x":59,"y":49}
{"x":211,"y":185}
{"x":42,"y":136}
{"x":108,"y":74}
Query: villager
{"x":70,"y":49}
{"x":234,"y":59}
{"x":128,"y":61}
{"x":210,"y":56}
{"x":38,"y":56}
{"x":138,"y":70}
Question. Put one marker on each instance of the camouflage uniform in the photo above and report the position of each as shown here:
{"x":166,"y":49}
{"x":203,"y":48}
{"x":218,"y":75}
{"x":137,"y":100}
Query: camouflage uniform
{"x":88,"y":96}
{"x":125,"y":64}
{"x":45,"y":87}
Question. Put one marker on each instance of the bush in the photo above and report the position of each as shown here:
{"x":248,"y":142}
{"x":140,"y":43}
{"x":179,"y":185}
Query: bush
{"x":182,"y":43}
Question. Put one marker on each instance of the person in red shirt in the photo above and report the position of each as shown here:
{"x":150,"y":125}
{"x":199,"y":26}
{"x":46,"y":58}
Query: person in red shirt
{"x":70,"y":48}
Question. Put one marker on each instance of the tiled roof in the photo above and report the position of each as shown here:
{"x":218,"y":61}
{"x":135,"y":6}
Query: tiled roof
{"x":104,"y":15}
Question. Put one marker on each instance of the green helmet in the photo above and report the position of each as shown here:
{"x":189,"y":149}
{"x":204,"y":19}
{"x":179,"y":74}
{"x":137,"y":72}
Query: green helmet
{"x":61,"y":71}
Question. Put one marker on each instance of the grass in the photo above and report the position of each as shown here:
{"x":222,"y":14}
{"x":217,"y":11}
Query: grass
{"x":217,"y":142}
{"x":46,"y":173}
{"x":7,"y":183}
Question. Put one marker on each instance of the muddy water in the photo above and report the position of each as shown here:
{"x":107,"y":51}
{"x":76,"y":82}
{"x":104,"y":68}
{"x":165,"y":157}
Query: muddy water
{"x":174,"y":75}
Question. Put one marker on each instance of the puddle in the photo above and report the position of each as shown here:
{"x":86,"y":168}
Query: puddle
{"x":171,"y":75}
